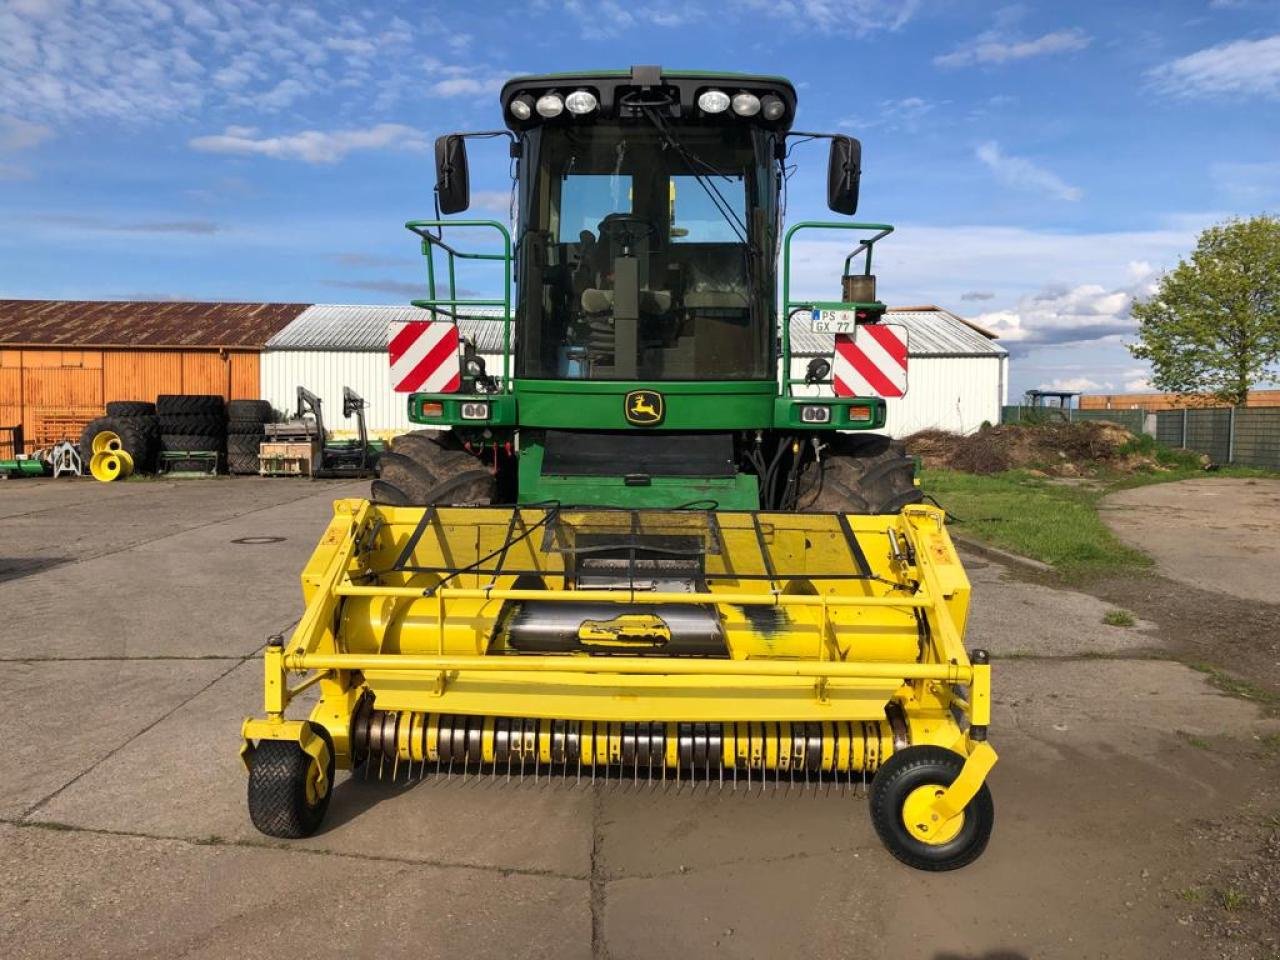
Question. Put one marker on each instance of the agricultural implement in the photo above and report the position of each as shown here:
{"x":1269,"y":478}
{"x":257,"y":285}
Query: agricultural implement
{"x":639,"y":550}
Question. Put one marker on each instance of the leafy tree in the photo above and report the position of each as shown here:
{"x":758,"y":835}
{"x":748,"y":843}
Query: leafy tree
{"x":1213,"y":325}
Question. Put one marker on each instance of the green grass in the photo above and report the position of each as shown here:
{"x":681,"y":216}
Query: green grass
{"x":1051,"y":521}
{"x":1057,"y":524}
{"x":1118,"y":618}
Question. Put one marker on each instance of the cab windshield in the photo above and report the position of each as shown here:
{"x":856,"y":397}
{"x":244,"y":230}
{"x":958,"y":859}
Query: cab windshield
{"x":634,"y":268}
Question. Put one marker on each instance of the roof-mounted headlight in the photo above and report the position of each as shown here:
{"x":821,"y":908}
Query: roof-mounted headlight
{"x":549,"y":105}
{"x":746,"y":104}
{"x":772,"y":107}
{"x":713,"y":101}
{"x":580,"y":102}
{"x":521,"y":107}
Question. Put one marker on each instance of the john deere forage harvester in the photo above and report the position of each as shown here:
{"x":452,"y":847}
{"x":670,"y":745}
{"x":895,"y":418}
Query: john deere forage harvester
{"x":646,"y":547}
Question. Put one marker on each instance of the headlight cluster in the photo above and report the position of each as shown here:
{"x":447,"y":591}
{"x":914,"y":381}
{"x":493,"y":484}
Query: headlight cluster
{"x":744,"y":104}
{"x":551,"y":105}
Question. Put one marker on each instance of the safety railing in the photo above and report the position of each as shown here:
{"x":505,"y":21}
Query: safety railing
{"x":453,"y":306}
{"x":792,"y":307}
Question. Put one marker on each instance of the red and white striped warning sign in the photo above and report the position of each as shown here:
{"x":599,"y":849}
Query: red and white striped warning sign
{"x":424,"y":357}
{"x":872,"y":362}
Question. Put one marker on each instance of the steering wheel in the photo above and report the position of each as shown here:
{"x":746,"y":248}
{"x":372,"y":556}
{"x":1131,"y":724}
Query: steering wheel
{"x":626,"y":229}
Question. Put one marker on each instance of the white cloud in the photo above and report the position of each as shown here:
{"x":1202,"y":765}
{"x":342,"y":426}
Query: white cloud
{"x":1251,"y":183}
{"x":16,"y":134}
{"x":312,"y":146}
{"x":15,"y":171}
{"x":993,"y":48}
{"x":466,"y":86}
{"x":493,"y":201}
{"x":901,"y":114}
{"x":1239,"y":67}
{"x":859,"y":17}
{"x":140,"y":61}
{"x":1074,"y":385}
{"x":1024,"y":174}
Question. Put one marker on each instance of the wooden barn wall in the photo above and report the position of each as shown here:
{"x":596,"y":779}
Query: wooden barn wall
{"x":54,"y":392}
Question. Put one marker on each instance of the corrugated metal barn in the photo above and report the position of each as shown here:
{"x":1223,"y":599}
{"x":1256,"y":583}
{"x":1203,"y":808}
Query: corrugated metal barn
{"x":957,"y":375}
{"x":62,"y":360}
{"x":331,"y":346}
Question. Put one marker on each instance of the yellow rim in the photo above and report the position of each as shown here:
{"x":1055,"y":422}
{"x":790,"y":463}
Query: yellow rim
{"x":925,"y":825}
{"x":314,"y":793}
{"x":110,"y":465}
{"x":105,"y":441}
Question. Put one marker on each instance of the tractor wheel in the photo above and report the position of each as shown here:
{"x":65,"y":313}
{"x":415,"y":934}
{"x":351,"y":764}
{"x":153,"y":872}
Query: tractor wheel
{"x":859,"y":474}
{"x":436,"y":470}
{"x":284,"y":798}
{"x":901,"y":794}
{"x":131,"y":439}
{"x":258,"y":411}
{"x":181,"y":404}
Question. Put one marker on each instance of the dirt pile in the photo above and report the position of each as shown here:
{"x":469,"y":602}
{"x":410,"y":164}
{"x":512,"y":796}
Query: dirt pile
{"x":1059,"y":449}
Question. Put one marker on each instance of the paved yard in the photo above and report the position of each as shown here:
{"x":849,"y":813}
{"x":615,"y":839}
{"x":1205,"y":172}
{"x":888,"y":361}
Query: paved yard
{"x":132,"y":622}
{"x":1221,"y":533}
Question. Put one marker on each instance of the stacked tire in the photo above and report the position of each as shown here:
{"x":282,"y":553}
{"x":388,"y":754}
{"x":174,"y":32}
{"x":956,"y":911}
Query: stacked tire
{"x":192,"y":423}
{"x":135,"y":423}
{"x":246,"y":427}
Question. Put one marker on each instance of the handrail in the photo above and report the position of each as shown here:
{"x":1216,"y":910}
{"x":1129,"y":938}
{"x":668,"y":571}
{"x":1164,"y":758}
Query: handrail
{"x":788,"y":306}
{"x":448,"y":306}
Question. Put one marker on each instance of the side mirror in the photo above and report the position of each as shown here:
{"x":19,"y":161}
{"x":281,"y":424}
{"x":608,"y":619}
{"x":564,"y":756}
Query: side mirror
{"x":844,"y":170}
{"x":453,"y":186}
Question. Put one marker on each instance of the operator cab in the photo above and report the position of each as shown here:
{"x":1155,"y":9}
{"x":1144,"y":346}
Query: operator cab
{"x":648,"y":222}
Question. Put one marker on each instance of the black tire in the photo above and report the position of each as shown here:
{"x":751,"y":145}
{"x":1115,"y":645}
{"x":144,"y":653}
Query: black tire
{"x":130,"y":408}
{"x":244,"y":444}
{"x":383,"y":492}
{"x":257,"y":411}
{"x":243,"y":464}
{"x":406,"y":475}
{"x":860,"y":474}
{"x":254,"y":428}
{"x":207,"y":424}
{"x":190,"y":443}
{"x":278,"y":804}
{"x":176,"y":404}
{"x":455,"y":476}
{"x":924,"y":766}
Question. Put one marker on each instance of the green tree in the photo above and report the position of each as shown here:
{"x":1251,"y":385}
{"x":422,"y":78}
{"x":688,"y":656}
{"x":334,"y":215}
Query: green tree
{"x":1213,"y":325}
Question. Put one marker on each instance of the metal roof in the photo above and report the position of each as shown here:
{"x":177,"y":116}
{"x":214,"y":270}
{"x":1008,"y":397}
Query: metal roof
{"x":352,"y":327}
{"x":138,"y":323}
{"x":931,"y":331}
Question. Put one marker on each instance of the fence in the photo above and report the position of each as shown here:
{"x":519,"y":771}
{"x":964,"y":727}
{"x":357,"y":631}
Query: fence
{"x":11,"y":442}
{"x":1246,"y":436}
{"x":1131,"y":420}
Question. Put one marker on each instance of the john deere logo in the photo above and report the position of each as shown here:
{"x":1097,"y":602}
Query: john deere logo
{"x":645,"y":408}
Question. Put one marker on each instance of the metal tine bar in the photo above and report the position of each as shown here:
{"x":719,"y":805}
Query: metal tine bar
{"x":506,"y":545}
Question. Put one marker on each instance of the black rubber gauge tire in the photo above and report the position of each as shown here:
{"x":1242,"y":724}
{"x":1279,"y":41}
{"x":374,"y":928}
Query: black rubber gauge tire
{"x":279,"y":805}
{"x":439,"y":471}
{"x":927,"y":769}
{"x":130,"y":408}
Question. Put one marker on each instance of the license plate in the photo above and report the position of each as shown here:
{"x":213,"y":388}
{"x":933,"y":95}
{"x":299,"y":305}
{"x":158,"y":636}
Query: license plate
{"x":833,"y":321}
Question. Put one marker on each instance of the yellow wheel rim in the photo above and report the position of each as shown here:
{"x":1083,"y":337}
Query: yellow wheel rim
{"x":110,"y":465}
{"x":314,"y":792}
{"x":105,"y":441}
{"x":925,"y":825}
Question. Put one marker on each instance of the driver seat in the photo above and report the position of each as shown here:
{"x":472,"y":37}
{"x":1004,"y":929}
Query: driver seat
{"x":599,"y":299}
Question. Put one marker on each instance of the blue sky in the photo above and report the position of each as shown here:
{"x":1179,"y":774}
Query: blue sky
{"x":1043,"y":162}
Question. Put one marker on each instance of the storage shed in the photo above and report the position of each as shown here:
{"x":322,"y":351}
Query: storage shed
{"x":957,"y":375}
{"x":62,"y":360}
{"x":331,"y":346}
